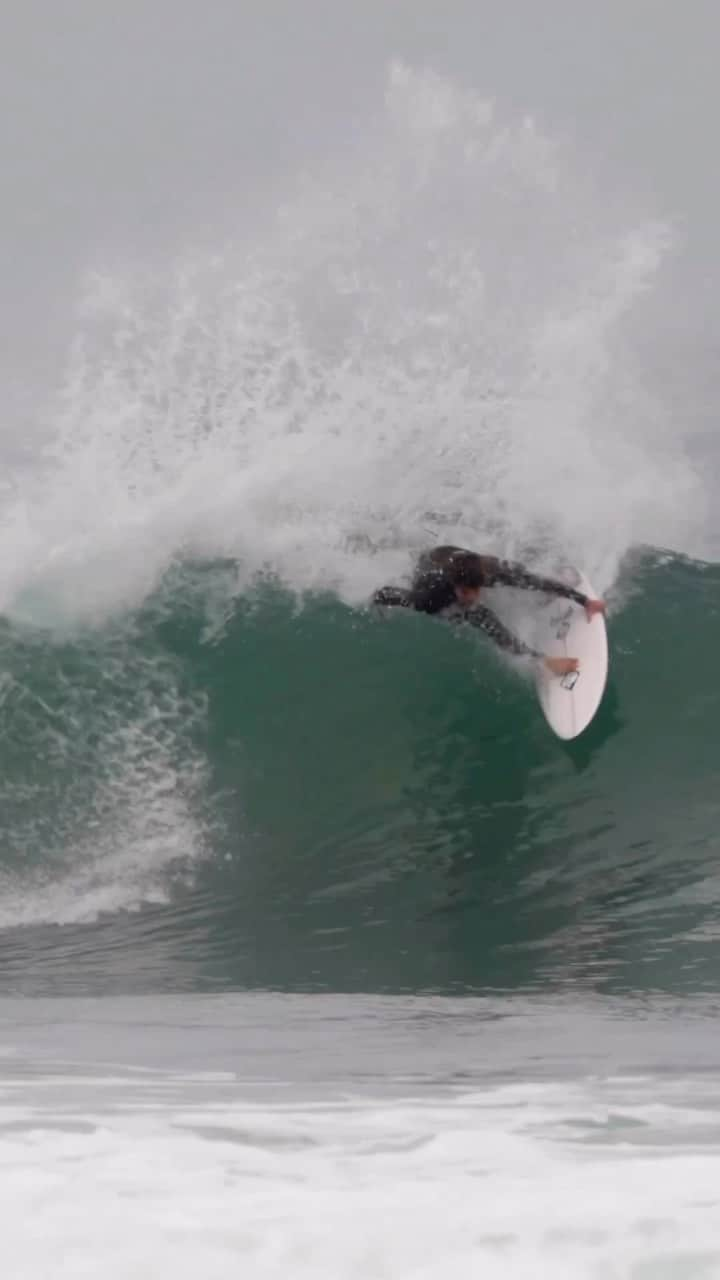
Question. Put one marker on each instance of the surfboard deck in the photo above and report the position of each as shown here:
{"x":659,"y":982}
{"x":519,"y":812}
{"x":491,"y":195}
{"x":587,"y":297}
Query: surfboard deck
{"x":570,"y":702}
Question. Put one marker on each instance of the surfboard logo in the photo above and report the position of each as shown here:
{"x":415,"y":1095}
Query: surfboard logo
{"x":561,"y":622}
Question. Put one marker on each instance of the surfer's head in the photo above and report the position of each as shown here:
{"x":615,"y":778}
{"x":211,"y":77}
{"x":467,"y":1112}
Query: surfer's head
{"x":467,"y":576}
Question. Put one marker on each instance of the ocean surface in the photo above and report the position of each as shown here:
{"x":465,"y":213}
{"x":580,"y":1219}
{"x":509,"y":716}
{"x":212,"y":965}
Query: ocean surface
{"x":320,"y":956}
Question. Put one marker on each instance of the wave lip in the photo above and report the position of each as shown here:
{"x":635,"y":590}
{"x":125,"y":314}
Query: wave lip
{"x":434,"y":341}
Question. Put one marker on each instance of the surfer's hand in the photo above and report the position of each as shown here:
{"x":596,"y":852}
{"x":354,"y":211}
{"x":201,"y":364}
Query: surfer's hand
{"x":562,"y":666}
{"x":594,"y":606}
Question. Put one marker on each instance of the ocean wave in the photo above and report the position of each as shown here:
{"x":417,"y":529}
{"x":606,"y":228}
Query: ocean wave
{"x":303,"y":793}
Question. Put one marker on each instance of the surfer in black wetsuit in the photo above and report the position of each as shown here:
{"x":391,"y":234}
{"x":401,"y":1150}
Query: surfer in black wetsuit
{"x":448,"y":581}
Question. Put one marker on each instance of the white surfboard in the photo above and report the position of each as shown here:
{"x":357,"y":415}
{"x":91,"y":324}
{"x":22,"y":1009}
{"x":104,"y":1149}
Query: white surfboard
{"x":570,"y":702}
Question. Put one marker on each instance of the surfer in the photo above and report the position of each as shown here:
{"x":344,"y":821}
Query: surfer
{"x":449,"y":581}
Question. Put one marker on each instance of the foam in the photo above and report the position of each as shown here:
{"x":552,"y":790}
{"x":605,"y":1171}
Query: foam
{"x":109,"y":822}
{"x":432,"y":343}
{"x":513,"y":1180}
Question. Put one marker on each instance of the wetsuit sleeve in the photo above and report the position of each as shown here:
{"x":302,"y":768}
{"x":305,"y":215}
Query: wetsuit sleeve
{"x":393,"y":597}
{"x":485,"y":620}
{"x":506,"y":573}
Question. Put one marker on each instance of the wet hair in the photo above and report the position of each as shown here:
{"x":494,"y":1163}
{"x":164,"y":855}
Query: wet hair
{"x":466,"y":569}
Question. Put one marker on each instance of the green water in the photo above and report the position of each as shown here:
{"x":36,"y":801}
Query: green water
{"x":226,"y":791}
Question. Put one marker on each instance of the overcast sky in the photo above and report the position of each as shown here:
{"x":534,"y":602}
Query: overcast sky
{"x":128,"y":127}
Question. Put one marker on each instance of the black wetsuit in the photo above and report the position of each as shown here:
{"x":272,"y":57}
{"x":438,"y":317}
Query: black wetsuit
{"x":433,"y":591}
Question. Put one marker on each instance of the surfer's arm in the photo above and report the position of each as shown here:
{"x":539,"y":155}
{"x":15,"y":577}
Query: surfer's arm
{"x":507,"y":573}
{"x":485,"y":620}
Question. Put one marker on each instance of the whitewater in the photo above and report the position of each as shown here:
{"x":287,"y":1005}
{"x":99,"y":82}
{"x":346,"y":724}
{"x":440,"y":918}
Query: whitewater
{"x":434,"y":343}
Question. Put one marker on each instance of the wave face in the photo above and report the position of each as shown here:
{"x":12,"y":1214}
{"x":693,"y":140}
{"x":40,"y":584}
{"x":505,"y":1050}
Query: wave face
{"x":217,"y":768}
{"x":312,"y":797}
